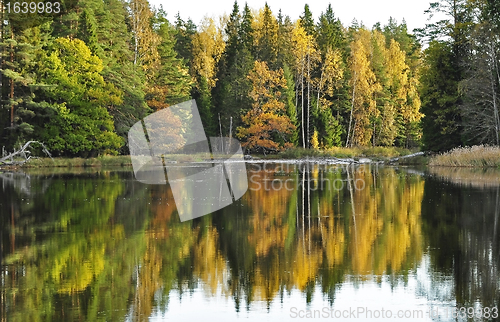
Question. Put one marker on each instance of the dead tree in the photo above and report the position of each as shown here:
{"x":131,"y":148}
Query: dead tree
{"x":22,"y":155}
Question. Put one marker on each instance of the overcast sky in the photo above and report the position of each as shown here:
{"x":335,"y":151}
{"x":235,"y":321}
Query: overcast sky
{"x":367,"y":11}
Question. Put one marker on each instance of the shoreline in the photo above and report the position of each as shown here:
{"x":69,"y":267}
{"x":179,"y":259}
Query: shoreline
{"x":471,"y":157}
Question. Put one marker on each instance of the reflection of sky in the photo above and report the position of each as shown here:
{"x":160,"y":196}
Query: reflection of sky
{"x":424,"y":292}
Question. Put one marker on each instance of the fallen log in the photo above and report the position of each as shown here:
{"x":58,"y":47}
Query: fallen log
{"x":394,"y":160}
{"x":24,"y":153}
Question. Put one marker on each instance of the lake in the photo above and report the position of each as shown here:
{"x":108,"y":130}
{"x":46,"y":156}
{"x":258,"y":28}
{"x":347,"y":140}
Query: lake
{"x":307,"y":240}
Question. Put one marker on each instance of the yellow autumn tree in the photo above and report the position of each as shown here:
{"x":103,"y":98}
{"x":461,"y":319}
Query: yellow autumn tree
{"x":364,"y":84}
{"x":146,"y":40}
{"x":266,"y":126}
{"x":208,"y":46}
{"x":306,"y":57}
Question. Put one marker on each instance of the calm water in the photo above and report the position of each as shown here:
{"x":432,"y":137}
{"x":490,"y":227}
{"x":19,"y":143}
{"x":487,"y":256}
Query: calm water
{"x":331,"y":242}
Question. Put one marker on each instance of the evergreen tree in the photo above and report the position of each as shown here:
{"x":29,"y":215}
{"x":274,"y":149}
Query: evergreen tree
{"x":442,"y":123}
{"x":172,"y":83}
{"x":329,"y":30}
{"x":442,"y":128}
{"x":17,"y":71}
{"x":266,"y":38}
{"x":307,"y":21}
{"x":231,"y":92}
{"x":88,"y":31}
{"x":184,"y":39}
{"x":246,"y":30}
{"x":116,"y":43}
{"x":284,"y":55}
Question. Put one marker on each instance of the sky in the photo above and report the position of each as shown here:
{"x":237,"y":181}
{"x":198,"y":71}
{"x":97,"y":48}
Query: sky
{"x":367,"y":11}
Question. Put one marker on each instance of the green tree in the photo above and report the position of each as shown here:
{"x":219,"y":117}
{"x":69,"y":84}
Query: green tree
{"x":171,"y":83}
{"x":441,"y":124}
{"x":184,"y":39}
{"x":78,"y":119}
{"x":307,"y":21}
{"x":19,"y":64}
{"x":289,"y":100}
{"x":88,"y":31}
{"x":266,"y":37}
{"x":329,"y":30}
{"x":119,"y":68}
{"x":231,"y":92}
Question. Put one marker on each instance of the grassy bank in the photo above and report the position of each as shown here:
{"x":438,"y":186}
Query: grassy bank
{"x":476,"y":156}
{"x":105,"y":161}
{"x":377,"y":153}
{"x":381,"y":153}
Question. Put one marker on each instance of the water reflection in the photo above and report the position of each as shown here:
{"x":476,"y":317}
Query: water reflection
{"x":100,"y":246}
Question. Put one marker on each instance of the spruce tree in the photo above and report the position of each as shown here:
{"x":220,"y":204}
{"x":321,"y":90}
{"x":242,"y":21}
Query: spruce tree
{"x":172,"y":83}
{"x":231,"y":92}
{"x":184,"y":39}
{"x":267,"y":38}
{"x":307,"y":21}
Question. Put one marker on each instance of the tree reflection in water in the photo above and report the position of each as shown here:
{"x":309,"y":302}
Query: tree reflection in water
{"x":100,"y":246}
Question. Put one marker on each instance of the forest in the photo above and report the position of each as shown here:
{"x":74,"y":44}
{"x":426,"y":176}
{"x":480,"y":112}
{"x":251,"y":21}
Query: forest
{"x":78,"y":80}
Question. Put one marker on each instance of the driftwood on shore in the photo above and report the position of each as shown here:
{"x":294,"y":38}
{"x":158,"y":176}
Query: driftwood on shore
{"x":23,"y":153}
{"x":394,"y":160}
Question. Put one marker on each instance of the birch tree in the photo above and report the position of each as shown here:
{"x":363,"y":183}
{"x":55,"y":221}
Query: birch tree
{"x":364,"y":85}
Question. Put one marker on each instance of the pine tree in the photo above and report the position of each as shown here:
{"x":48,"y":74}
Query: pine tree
{"x":18,"y":108}
{"x":284,"y":54}
{"x":247,"y":30}
{"x":116,"y":43}
{"x":441,"y":124}
{"x":289,"y":100}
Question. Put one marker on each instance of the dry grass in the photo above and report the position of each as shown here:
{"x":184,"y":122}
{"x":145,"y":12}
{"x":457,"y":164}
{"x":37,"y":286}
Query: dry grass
{"x":341,"y":152}
{"x":476,"y":156}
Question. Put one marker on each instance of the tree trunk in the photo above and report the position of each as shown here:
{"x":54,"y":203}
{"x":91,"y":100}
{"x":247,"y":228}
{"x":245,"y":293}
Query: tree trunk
{"x":495,"y":106}
{"x":11,"y":81}
{"x":308,"y":95}
{"x":302,"y":109}
{"x":352,"y":108}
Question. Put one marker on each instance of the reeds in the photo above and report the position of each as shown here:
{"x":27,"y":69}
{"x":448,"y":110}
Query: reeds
{"x":475,"y":156}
